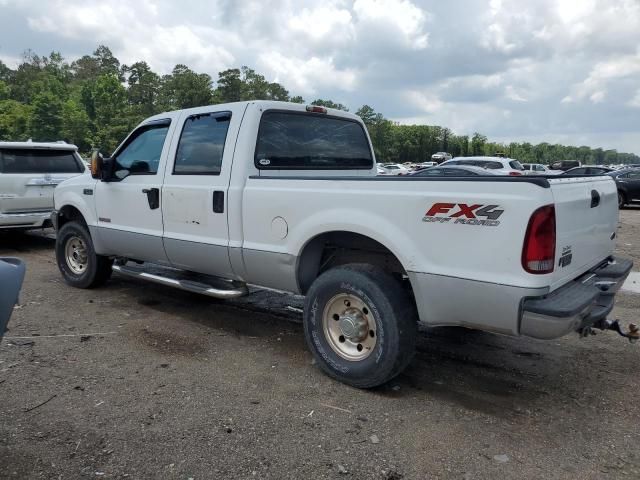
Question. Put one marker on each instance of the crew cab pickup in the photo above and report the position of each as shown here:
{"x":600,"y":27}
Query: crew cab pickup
{"x":29,"y":171}
{"x":285,"y":196}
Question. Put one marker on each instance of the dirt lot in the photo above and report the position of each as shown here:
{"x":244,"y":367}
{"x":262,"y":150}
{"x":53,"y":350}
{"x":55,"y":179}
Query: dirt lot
{"x":142,"y":381}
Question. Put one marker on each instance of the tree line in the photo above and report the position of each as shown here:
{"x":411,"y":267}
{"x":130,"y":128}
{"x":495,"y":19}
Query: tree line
{"x":95,"y":100}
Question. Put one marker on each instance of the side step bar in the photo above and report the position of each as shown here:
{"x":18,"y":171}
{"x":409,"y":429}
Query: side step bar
{"x":188,"y":285}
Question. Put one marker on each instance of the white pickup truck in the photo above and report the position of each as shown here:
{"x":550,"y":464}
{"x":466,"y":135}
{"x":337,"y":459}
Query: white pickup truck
{"x":286,"y":196}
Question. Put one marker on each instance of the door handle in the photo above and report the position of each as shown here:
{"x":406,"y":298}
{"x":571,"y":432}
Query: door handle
{"x":595,"y":198}
{"x":218,"y":202}
{"x":153,"y":197}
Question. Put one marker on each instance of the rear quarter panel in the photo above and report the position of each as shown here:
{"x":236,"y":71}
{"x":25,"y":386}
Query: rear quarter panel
{"x":393,"y":212}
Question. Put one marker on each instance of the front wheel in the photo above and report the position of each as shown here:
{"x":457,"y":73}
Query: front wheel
{"x":77,"y":260}
{"x":360,"y":325}
{"x":622,"y":201}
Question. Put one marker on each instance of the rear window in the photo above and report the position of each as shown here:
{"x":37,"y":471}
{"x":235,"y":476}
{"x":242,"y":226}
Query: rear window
{"x":516,"y":165}
{"x":300,"y":141}
{"x":38,"y":161}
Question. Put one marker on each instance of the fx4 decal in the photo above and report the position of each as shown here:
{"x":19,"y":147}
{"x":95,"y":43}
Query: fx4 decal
{"x":462,"y":213}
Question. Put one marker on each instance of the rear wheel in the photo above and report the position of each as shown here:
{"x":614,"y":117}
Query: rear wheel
{"x":360,"y":325}
{"x":77,"y":260}
{"x":622,"y":199}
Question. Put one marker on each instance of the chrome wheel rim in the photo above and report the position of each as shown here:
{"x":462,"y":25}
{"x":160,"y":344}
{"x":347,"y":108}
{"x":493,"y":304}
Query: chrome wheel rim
{"x":349,"y":327}
{"x":75,"y":253}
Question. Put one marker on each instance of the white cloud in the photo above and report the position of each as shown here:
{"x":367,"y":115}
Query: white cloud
{"x":307,"y":76}
{"x":402,"y":18}
{"x":635,"y":101}
{"x":602,"y":76}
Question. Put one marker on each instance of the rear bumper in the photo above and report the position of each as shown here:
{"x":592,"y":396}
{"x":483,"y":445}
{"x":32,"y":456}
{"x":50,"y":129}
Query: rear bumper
{"x":580,"y":303}
{"x":25,"y":220}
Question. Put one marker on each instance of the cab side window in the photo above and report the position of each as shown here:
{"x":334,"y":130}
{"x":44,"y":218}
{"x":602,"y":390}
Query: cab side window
{"x":201,"y":144}
{"x":141,"y":154}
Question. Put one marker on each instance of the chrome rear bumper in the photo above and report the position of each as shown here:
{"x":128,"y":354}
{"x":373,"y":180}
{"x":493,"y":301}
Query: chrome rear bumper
{"x":578,"y":304}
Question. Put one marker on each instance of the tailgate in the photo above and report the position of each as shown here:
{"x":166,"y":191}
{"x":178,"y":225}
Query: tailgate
{"x":29,"y":176}
{"x":28,"y":193}
{"x":586,"y":222}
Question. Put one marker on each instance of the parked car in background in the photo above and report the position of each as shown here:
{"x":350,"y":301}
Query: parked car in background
{"x":29,"y":172}
{"x":588,"y":171}
{"x":539,"y":169}
{"x":427,"y":164}
{"x":440,"y":157}
{"x":502,"y":166}
{"x":394,"y":169}
{"x":453,"y":171}
{"x":11,"y":277}
{"x":565,"y":165}
{"x":628,"y":184}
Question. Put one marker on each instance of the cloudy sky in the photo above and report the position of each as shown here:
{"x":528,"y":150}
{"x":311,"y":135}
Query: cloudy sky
{"x":558,"y":71}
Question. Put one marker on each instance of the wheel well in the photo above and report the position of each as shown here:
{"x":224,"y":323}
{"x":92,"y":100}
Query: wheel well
{"x":70,"y":214}
{"x":339,"y":248}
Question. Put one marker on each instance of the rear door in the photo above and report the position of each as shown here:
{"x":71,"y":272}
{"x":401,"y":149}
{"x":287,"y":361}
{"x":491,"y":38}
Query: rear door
{"x":29,"y":176}
{"x":195,"y":204}
{"x":586,"y":221}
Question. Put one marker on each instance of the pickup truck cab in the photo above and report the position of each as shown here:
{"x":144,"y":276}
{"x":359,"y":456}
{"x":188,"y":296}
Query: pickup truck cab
{"x":285,"y":196}
{"x":29,"y":171}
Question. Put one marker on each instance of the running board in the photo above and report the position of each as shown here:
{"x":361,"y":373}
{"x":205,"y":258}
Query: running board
{"x":234,"y":291}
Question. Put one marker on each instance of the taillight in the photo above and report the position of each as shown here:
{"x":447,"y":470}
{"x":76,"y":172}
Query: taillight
{"x":539,"y":250}
{"x":515,"y":174}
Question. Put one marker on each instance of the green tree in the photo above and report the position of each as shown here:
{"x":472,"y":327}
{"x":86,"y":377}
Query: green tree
{"x":144,"y":85}
{"x":107,"y":63}
{"x":15,"y":118}
{"x":367,"y":114}
{"x":76,"y":126}
{"x":185,"y":88}
{"x":46,"y":121}
{"x":230,"y":86}
{"x":477,"y":144}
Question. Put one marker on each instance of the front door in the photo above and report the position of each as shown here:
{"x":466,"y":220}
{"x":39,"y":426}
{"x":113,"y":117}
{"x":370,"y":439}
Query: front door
{"x":129,"y":207}
{"x":195,"y":207}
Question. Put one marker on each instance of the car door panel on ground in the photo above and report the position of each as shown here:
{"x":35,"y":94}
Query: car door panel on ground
{"x":128,"y":221}
{"x":194,"y":208}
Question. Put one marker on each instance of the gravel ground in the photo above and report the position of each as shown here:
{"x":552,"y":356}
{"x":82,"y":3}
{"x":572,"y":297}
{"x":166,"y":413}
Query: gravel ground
{"x":142,"y":381}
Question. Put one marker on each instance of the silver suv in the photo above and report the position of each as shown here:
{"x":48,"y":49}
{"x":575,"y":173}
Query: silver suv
{"x":29,"y":172}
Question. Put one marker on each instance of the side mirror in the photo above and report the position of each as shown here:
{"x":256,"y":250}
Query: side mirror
{"x":97,"y":164}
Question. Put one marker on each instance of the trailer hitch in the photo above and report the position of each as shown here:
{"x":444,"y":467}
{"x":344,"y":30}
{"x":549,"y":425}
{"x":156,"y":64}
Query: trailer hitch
{"x":633,"y":334}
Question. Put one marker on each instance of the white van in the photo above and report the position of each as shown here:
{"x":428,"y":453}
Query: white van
{"x":29,"y":172}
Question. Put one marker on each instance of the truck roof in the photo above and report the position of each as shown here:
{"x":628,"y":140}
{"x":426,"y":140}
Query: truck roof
{"x":265,"y":104}
{"x":39,"y":145}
